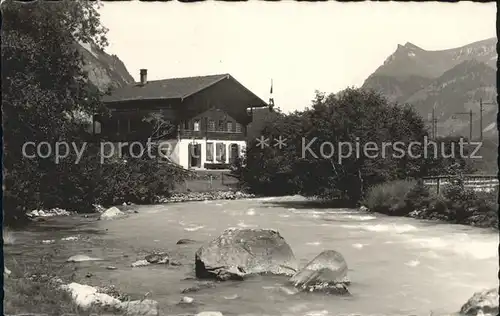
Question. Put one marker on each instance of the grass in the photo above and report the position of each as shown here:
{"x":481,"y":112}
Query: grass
{"x":28,"y":290}
{"x":27,"y":296}
{"x":8,"y":237}
{"x":33,"y":289}
{"x":454,"y":204}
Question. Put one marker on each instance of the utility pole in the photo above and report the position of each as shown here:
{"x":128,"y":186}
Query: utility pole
{"x":481,"y":104}
{"x":433,"y":124}
{"x":470,"y":121}
{"x":434,"y":121}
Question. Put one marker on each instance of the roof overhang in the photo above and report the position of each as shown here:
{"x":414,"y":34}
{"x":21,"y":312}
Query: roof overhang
{"x":256,"y":101}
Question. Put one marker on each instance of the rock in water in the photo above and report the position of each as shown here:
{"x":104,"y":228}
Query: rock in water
{"x":209,"y":314}
{"x":482,"y":303}
{"x":187,"y":300}
{"x":327,"y":272}
{"x":142,"y":308}
{"x":363,"y":208}
{"x":241,"y":251}
{"x":82,"y":258}
{"x":140,"y":263}
{"x":186,"y":241}
{"x":112,"y":213}
{"x":198,"y":287}
{"x":159,"y":257}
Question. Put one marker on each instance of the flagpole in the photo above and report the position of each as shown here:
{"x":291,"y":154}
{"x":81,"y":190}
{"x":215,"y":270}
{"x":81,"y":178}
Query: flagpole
{"x":271,"y":99}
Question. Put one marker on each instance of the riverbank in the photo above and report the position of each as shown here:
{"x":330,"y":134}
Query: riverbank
{"x":456,"y":204}
{"x":205,"y":196}
{"x":176,"y":197}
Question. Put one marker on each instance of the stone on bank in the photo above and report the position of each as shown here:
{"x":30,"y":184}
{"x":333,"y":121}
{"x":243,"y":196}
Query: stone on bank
{"x":240,"y":252}
{"x":86,"y":296}
{"x":6,"y":272}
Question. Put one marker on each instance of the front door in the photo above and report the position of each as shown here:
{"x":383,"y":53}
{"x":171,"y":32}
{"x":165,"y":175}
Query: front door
{"x":194,"y":155}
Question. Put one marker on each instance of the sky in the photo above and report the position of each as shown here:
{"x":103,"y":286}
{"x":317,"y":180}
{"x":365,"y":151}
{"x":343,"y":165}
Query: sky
{"x":301,"y":46}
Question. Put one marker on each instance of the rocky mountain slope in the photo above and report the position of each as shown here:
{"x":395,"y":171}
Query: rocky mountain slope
{"x":448,"y":81}
{"x":104,"y":70}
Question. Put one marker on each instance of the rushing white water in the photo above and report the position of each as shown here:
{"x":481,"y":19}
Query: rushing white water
{"x":398,"y":266}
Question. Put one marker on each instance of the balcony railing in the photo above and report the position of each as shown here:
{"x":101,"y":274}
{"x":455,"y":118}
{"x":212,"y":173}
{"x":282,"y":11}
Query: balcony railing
{"x":212,"y":134}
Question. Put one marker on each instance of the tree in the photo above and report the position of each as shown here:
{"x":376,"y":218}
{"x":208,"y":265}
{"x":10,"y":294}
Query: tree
{"x":324,"y":154}
{"x":45,"y":96}
{"x":44,"y":88}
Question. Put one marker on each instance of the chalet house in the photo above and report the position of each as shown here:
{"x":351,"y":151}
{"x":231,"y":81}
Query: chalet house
{"x":207,"y":117}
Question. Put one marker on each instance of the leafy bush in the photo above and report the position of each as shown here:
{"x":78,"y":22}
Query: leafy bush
{"x":456,"y":204}
{"x":393,"y":197}
{"x":77,"y":187}
{"x":137,"y":181}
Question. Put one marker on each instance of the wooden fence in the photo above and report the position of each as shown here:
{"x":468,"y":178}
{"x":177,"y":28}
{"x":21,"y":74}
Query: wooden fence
{"x":206,"y":181}
{"x":475,"y":182}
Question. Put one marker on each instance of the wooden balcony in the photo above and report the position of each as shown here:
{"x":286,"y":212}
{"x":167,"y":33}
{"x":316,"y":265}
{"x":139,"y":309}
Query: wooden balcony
{"x":212,"y":135}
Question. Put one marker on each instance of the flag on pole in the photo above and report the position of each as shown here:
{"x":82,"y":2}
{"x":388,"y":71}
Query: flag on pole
{"x":271,"y":99}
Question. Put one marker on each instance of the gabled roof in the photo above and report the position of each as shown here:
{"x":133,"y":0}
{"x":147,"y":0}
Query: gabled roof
{"x":174,"y":88}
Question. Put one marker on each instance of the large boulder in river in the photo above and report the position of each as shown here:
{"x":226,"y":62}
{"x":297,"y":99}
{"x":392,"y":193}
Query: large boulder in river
{"x":327,"y":272}
{"x":241,"y":251}
{"x":482,"y":303}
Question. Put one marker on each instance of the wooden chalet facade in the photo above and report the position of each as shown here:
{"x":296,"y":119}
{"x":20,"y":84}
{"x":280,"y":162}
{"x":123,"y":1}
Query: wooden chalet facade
{"x":207,"y":117}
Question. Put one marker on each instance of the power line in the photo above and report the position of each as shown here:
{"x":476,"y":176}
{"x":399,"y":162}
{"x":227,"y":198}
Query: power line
{"x":481,"y":104}
{"x":470,"y":121}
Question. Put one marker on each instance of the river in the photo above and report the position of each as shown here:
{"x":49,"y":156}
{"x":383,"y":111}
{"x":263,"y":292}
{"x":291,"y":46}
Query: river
{"x":398,"y":266}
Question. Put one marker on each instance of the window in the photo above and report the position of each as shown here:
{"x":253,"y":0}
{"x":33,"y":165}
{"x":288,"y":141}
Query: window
{"x":238,"y":127}
{"x":229,"y":126}
{"x":220,"y":152}
{"x":221,"y":126}
{"x":210,"y":152}
{"x":196,"y":125}
{"x":186,"y":125}
{"x":211,"y":126}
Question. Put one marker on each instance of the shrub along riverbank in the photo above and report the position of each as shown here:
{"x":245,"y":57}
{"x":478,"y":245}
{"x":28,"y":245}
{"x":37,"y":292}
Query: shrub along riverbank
{"x":456,"y":204}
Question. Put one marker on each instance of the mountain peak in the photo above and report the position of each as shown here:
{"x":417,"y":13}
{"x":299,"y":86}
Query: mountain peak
{"x":409,"y":45}
{"x":410,"y":59}
{"x":449,"y":80}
